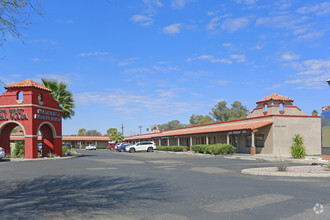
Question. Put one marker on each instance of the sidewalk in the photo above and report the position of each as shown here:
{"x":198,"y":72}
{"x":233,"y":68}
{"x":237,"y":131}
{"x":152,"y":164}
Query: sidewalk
{"x":272,"y":158}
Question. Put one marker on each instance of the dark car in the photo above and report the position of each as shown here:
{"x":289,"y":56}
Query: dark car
{"x":122,"y":147}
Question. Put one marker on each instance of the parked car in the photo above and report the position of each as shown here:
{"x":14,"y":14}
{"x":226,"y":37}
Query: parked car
{"x":2,"y":153}
{"x":122,"y":147}
{"x":112,"y":146}
{"x":148,"y":146}
{"x":90,"y":147}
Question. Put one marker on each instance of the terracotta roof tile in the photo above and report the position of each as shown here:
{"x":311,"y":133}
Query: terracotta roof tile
{"x":200,"y":130}
{"x":275,"y":97}
{"x":27,"y":83}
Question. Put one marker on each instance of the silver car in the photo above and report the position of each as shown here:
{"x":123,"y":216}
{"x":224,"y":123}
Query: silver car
{"x":2,"y":153}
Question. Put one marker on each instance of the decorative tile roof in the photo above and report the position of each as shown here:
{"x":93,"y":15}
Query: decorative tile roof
{"x":205,"y":130}
{"x":26,"y":84}
{"x":275,"y":97}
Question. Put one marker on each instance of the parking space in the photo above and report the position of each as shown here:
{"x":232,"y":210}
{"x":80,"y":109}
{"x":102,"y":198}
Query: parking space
{"x":154,"y":185}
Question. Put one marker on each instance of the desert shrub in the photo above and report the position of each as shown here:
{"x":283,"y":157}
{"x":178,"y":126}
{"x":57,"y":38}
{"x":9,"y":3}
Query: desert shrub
{"x":19,"y":149}
{"x":281,"y":165}
{"x":101,"y":147}
{"x":297,"y":148}
{"x":172,"y":148}
{"x":214,"y":149}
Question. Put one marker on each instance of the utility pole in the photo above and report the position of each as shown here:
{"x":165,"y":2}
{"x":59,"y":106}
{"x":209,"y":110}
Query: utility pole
{"x":122,"y":129}
{"x":140,"y":129}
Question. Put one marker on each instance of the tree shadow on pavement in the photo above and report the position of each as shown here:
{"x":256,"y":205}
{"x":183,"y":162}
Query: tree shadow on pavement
{"x":49,"y":194}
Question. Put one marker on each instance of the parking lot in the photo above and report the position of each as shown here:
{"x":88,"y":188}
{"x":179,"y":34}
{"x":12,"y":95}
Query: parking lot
{"x":105,"y":184}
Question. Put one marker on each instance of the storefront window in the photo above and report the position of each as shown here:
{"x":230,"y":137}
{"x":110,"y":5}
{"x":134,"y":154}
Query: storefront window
{"x":258,"y":140}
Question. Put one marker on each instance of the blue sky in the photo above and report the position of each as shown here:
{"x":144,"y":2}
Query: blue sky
{"x":146,"y":62}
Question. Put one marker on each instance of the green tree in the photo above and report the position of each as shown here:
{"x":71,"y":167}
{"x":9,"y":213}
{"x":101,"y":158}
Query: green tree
{"x":82,"y":131}
{"x":171,"y":125}
{"x":19,"y":149}
{"x":315,"y":113}
{"x":15,"y":16}
{"x":221,"y":112}
{"x":62,"y":95}
{"x":114,"y":135}
{"x":93,"y":132}
{"x":200,"y":120}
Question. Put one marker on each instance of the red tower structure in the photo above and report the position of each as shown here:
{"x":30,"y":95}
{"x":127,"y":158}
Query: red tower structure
{"x":30,"y":105}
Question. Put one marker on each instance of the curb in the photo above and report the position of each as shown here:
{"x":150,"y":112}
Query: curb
{"x":257,"y":172}
{"x":42,"y":159}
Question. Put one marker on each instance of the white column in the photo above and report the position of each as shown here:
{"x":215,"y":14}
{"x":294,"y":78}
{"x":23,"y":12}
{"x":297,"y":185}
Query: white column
{"x":160,"y":142}
{"x":228,"y":139}
{"x":168,"y":141}
{"x":252,"y":139}
{"x":207,"y":140}
{"x":178,"y":141}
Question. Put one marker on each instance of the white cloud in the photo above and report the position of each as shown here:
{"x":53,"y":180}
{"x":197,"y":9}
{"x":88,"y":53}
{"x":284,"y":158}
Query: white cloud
{"x":55,"y":76}
{"x":178,"y":4}
{"x":289,"y":56}
{"x":96,"y":53}
{"x":165,"y":69}
{"x":35,"y":59}
{"x":319,"y":9}
{"x":311,"y":74}
{"x":44,"y":42}
{"x":127,"y":62}
{"x":138,"y":70}
{"x":220,"y":82}
{"x":152,"y":6}
{"x":173,"y":29}
{"x":159,"y":102}
{"x":240,"y":58}
{"x":210,"y":59}
{"x":282,"y":21}
{"x":233,"y":25}
{"x":213,"y":24}
{"x":142,"y":20}
{"x":248,"y":2}
{"x":64,"y":21}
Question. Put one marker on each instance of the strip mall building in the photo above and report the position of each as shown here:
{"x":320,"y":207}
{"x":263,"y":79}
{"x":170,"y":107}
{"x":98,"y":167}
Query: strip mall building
{"x":268,"y":129}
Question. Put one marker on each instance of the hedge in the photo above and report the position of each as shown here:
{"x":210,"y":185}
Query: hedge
{"x":214,"y":149}
{"x":172,"y":148}
{"x":101,"y":147}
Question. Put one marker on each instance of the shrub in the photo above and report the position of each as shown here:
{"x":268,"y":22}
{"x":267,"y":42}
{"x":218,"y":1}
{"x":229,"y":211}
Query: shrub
{"x":172,"y":148}
{"x":101,"y":147}
{"x":51,"y":155}
{"x":297,"y":148}
{"x":214,"y":149}
{"x":19,"y":149}
{"x":65,"y":150}
{"x":281,"y":165}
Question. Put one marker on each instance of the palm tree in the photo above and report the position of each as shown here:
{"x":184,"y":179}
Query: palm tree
{"x":315,"y":113}
{"x":63,"y":96}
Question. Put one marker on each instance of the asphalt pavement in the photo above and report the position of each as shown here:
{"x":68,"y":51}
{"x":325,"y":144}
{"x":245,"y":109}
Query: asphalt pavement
{"x":106,"y":184}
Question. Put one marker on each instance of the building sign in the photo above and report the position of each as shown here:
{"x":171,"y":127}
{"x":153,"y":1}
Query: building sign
{"x":12,"y":114}
{"x":325,"y":124}
{"x":237,"y":132}
{"x":47,"y":115}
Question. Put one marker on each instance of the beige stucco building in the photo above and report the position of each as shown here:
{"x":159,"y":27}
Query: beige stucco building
{"x":270,"y":127}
